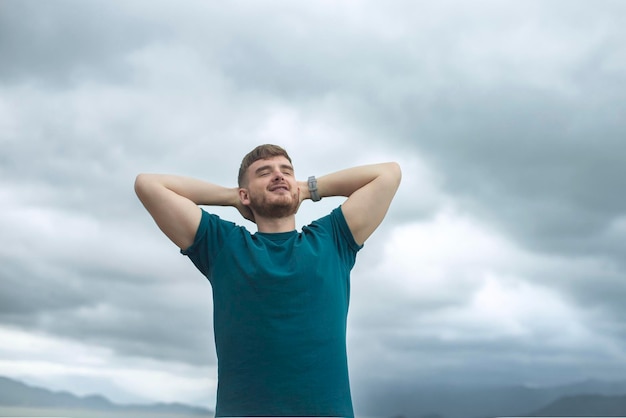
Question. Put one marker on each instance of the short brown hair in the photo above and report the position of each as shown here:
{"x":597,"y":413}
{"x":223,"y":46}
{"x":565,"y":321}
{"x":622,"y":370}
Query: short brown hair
{"x":261,"y":152}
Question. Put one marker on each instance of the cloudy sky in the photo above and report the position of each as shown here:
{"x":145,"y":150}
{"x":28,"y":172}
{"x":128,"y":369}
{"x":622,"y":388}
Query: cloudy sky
{"x":501,"y":259}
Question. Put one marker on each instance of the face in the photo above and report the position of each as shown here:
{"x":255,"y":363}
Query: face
{"x":272,"y":190}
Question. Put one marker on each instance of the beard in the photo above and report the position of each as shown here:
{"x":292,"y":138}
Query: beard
{"x":280,"y":206}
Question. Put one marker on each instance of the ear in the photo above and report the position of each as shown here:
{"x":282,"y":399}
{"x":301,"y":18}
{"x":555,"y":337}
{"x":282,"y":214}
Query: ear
{"x":244,"y":196}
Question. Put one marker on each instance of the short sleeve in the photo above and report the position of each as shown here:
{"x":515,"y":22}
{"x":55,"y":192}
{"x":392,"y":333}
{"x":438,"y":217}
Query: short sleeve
{"x":210,"y":237}
{"x":344,"y":241}
{"x":342,"y":225}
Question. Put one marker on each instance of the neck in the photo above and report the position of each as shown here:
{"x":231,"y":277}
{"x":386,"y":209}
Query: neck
{"x":274,"y":225}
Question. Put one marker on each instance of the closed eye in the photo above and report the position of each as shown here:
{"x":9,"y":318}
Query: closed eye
{"x":263,"y":171}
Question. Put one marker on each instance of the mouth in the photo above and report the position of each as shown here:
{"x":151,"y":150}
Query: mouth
{"x":279,"y":188}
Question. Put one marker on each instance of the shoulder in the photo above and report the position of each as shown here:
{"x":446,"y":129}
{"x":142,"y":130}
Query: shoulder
{"x":213,"y":230}
{"x":335,"y":226}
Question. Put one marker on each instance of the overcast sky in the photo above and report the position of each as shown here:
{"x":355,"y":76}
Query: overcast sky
{"x":501,"y":259}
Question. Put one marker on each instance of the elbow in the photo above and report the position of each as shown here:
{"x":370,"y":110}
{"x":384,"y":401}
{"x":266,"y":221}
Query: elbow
{"x":142,"y":182}
{"x":395,"y":173}
{"x":139,"y":180}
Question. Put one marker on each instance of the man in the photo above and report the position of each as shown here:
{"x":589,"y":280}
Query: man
{"x":280,"y":297}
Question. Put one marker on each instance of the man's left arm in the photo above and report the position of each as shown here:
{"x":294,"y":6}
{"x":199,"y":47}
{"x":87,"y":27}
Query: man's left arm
{"x":369,"y":189}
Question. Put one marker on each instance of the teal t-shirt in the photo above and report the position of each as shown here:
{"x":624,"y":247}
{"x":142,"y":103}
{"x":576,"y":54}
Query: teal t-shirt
{"x":280,"y":305}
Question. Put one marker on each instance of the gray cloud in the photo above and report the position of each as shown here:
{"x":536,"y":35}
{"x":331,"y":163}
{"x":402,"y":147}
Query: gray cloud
{"x":58,"y":44}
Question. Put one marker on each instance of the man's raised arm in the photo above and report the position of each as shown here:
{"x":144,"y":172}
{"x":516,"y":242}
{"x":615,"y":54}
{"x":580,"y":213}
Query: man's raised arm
{"x":173,"y":203}
{"x":369,"y":189}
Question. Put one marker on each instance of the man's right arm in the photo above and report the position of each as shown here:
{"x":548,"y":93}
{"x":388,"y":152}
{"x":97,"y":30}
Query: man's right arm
{"x":173,"y":203}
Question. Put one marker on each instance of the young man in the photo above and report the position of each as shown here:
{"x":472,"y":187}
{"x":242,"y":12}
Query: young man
{"x":280,"y":297}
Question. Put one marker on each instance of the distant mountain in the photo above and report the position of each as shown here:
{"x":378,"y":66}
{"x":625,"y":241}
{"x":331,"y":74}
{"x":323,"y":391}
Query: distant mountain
{"x":458,"y":401}
{"x":17,"y":394}
{"x":589,"y":398}
{"x":585,"y":406}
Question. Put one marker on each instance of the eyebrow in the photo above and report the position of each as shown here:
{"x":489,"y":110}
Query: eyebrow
{"x":269,"y":167}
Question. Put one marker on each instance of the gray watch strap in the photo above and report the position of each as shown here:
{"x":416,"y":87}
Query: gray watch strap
{"x":315,"y":196}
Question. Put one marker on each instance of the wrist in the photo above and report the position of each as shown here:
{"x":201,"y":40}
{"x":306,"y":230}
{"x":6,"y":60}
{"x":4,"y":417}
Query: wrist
{"x":304,"y":190}
{"x":233,"y":199}
{"x":313,"y":191}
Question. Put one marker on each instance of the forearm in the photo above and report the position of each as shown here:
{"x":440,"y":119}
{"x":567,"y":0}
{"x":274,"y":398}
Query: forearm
{"x":369,"y":189}
{"x":198,"y":191}
{"x":346,"y":182}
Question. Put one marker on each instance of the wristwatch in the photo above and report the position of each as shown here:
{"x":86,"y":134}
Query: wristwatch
{"x":315,"y":196}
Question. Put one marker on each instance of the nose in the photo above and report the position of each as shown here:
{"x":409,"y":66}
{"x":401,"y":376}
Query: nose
{"x":278,"y":175}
